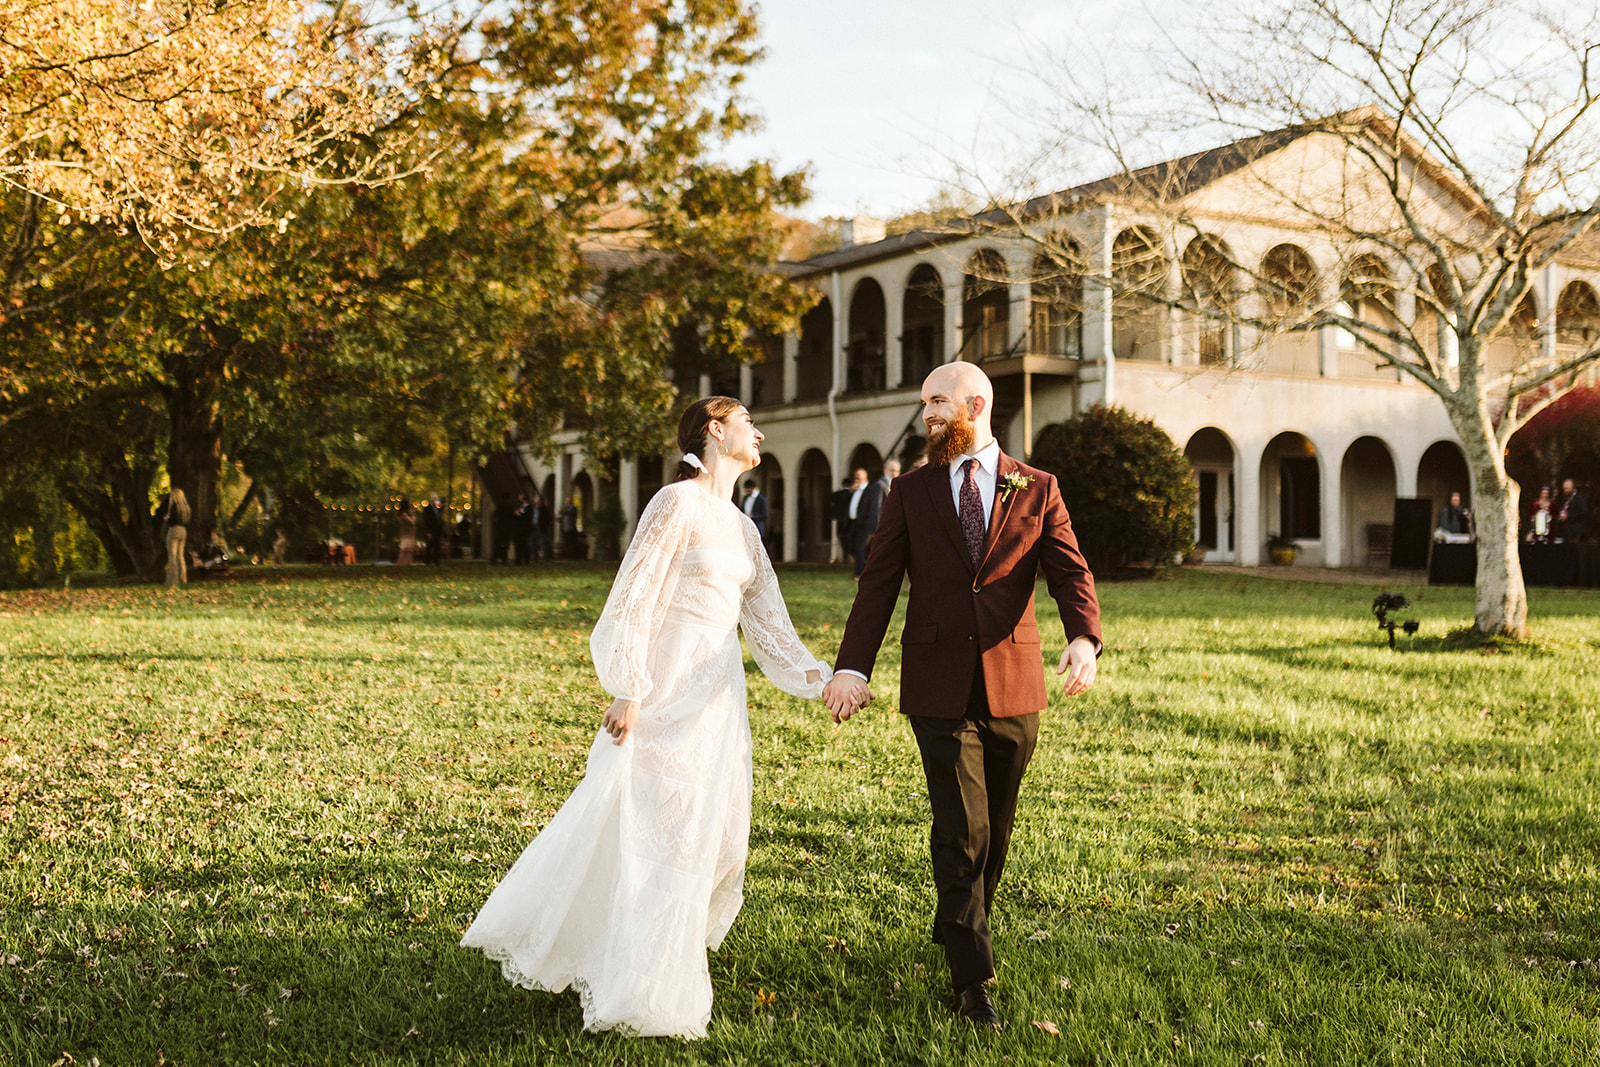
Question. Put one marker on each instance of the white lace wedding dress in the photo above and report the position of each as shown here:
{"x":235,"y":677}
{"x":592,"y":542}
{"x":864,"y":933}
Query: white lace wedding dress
{"x":643,"y":868}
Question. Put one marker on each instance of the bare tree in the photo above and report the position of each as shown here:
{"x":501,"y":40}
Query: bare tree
{"x":1460,"y":162}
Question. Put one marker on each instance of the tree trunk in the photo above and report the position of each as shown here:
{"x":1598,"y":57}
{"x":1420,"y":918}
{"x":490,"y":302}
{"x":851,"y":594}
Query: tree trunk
{"x":116,"y":507}
{"x":194,"y":442}
{"x":44,"y":550}
{"x":1501,"y":600}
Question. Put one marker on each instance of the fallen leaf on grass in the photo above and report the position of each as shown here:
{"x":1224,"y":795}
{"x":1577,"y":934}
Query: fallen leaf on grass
{"x":1048,"y":1027}
{"x":1039,"y":935}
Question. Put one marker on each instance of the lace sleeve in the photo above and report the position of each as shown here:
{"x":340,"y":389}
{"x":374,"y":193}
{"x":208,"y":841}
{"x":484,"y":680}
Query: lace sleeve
{"x":767,"y":630}
{"x":632,"y":614}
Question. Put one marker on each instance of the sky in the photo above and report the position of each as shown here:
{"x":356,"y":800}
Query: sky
{"x":877,"y":95}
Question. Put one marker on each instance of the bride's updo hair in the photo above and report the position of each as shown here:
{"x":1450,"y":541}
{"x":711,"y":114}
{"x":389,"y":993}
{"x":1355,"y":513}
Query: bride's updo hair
{"x":697,"y":419}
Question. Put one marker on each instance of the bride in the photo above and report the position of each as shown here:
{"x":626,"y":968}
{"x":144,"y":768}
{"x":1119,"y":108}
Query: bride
{"x":643,"y":868}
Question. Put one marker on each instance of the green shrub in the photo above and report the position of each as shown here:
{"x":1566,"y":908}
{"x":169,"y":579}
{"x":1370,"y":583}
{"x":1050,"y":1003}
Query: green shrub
{"x":1126,"y":485}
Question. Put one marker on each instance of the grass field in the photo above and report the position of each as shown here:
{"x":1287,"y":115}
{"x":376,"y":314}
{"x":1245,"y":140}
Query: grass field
{"x":246,"y":823}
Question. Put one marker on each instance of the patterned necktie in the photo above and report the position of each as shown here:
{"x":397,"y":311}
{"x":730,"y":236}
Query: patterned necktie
{"x":972,"y":513}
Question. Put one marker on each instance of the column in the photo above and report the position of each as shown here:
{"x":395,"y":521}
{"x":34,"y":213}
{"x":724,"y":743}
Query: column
{"x":746,"y":384}
{"x":1328,"y":336}
{"x":628,"y":496}
{"x":1405,"y":309}
{"x":894,"y":324}
{"x":791,"y":354}
{"x":952,"y":317}
{"x":1547,"y":343}
{"x":791,"y":510}
{"x":1021,"y":294}
{"x":1097,"y":314}
{"x":1247,"y":505}
{"x":563,"y":473}
{"x":1333,"y":547}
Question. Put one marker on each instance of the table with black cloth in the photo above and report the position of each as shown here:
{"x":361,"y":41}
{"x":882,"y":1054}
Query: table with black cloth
{"x":1564,"y":565}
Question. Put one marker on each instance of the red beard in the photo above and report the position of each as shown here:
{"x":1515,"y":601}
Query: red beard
{"x":955,"y":441}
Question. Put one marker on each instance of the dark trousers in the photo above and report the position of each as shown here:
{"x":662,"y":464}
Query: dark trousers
{"x":859,"y":536}
{"x":974,"y":767}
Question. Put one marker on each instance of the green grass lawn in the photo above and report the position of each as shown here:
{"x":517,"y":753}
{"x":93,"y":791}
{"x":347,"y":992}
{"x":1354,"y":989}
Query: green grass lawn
{"x":246,"y":823}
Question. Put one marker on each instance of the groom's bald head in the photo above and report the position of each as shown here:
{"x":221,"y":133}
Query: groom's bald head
{"x":956,"y":399}
{"x":965,"y":383}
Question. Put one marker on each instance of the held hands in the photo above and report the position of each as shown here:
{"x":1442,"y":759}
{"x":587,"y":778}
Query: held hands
{"x":845,"y":695}
{"x":620,"y":719}
{"x":1079,"y":665}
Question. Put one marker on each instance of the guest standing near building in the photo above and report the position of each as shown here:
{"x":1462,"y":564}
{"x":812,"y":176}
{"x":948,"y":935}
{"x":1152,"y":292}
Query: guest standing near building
{"x":538,"y":546}
{"x":1572,"y":516}
{"x":754,"y":505}
{"x":521,"y":529}
{"x":433,"y":531}
{"x":177,"y":520}
{"x":872,"y":507}
{"x":408,"y":534}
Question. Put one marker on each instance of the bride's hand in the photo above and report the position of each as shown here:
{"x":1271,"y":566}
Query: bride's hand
{"x":620,"y":719}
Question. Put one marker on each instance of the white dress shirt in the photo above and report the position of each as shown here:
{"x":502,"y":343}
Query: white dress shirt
{"x":750,"y":500}
{"x":855,"y":500}
{"x":985,"y":476}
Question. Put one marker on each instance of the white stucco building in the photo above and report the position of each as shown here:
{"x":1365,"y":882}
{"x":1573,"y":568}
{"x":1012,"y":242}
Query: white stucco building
{"x":1299,"y":433}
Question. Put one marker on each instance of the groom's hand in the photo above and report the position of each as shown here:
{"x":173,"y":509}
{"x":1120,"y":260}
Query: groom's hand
{"x":845,"y":695}
{"x":1079,"y":665}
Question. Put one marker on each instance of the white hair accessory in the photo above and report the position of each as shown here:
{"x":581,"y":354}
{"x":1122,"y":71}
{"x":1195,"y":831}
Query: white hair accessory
{"x":694,"y":461}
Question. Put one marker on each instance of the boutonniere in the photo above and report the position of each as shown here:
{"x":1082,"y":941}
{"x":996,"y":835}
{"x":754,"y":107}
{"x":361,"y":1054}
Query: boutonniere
{"x":1012,"y":482}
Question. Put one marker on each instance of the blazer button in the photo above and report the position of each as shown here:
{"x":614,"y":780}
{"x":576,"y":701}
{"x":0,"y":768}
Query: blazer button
{"x":977,"y":589}
{"x":969,"y":637}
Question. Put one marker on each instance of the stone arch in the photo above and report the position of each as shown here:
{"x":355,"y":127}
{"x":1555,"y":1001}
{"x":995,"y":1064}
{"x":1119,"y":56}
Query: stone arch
{"x":769,"y":477}
{"x":864,"y":353}
{"x":1366,"y":294}
{"x":816,"y":490}
{"x":1288,"y":283}
{"x":1055,"y":326}
{"x":1213,"y":457}
{"x":581,"y":494}
{"x":1368,"y":479}
{"x":1577,"y":315}
{"x":1443,"y":470}
{"x":922,"y":324}
{"x":814,"y":361}
{"x":1291,"y":488}
{"x":985,"y":307}
{"x":865,"y":456}
{"x":1211,"y":285}
{"x":1518,"y":342}
{"x":1139,"y":275}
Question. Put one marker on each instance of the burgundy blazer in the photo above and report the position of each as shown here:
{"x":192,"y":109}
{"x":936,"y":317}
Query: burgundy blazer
{"x":955,"y":615}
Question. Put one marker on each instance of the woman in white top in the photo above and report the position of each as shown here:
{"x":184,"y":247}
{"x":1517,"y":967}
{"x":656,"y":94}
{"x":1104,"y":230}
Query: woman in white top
{"x":642,"y":869}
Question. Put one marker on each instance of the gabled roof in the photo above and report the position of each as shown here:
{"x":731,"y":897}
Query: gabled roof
{"x":1169,"y":180}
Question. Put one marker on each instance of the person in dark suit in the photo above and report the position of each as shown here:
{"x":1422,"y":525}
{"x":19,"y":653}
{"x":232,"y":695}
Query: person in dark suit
{"x":521,"y":528}
{"x":867,"y":515}
{"x":839,"y":509}
{"x":754,"y":505}
{"x":1572,"y":516}
{"x":433,"y":531}
{"x":538,"y":546}
{"x":972,"y":530}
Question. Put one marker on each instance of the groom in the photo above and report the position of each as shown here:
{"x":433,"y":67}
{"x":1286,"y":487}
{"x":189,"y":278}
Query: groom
{"x":972,"y":529}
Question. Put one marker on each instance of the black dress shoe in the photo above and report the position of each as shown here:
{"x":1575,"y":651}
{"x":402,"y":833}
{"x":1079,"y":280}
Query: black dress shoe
{"x":976,"y":1007}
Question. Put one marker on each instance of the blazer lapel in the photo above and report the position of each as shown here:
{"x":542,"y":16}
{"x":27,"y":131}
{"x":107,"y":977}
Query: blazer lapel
{"x":1002,"y":507}
{"x":945,"y":507}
